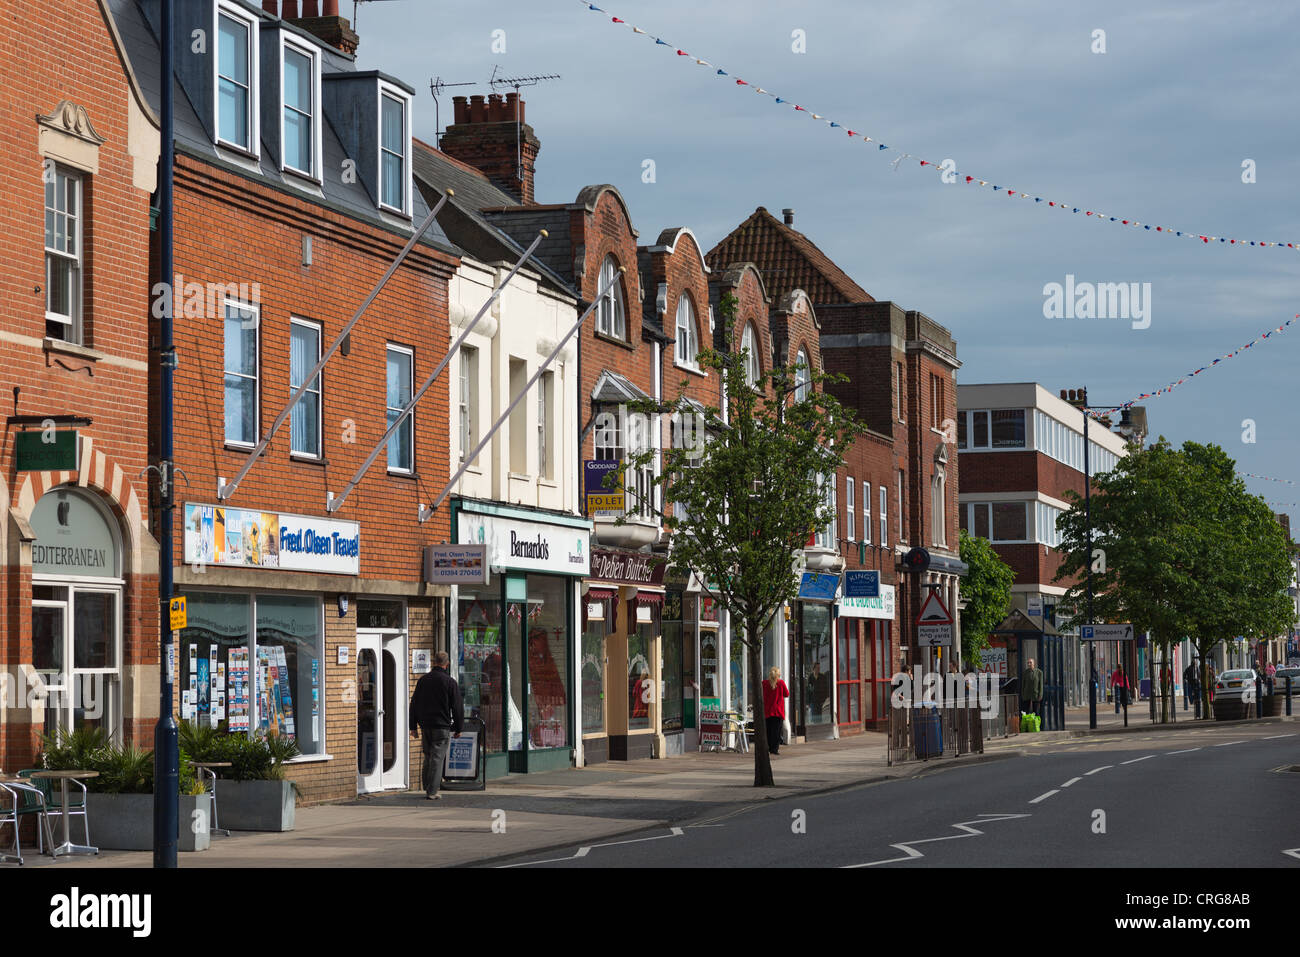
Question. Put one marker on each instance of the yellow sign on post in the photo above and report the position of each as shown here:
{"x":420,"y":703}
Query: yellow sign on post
{"x":179,"y":619}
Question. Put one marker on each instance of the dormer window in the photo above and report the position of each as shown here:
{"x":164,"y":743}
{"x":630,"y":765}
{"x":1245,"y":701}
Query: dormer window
{"x":236,"y":79}
{"x":610,"y":319}
{"x":394,"y":149}
{"x":300,"y":95}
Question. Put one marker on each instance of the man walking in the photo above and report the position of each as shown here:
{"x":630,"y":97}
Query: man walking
{"x":437,"y":712}
{"x":1031,"y":689}
{"x":1192,"y":687}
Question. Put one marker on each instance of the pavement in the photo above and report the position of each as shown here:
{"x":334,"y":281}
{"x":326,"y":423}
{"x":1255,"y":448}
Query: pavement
{"x":533,"y":813}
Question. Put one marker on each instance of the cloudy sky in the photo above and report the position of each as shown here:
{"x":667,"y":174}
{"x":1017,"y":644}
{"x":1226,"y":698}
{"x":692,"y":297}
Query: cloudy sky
{"x":1155,"y":129}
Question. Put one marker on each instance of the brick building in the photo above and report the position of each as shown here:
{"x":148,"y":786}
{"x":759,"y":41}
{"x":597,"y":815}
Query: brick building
{"x":1021,"y":448}
{"x":900,"y":367}
{"x":79,"y":635}
{"x":293,"y":195}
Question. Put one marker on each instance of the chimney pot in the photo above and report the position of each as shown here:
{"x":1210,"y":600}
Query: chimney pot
{"x":331,"y":8}
{"x":310,"y":8}
{"x":1065,"y":395}
{"x":290,"y":10}
{"x":789,"y":216}
{"x":477,"y":109}
{"x":513,"y":104}
{"x":460,"y":109}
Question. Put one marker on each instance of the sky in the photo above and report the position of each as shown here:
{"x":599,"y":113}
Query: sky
{"x":1155,"y":129}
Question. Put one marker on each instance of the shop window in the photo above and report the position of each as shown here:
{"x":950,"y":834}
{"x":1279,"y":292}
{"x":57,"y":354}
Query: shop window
{"x":599,"y":624}
{"x":641,"y":666}
{"x":710,"y":687}
{"x":673,"y":664}
{"x":479,"y":618}
{"x":548,"y":661}
{"x":881,"y":671}
{"x":847,"y":680}
{"x":816,"y":645}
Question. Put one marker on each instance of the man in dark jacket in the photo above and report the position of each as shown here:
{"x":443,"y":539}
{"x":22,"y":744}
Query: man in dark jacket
{"x":1031,"y":689}
{"x":437,"y":711}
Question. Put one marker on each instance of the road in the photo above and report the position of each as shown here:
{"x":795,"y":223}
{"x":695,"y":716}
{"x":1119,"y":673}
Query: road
{"x":1204,"y":797}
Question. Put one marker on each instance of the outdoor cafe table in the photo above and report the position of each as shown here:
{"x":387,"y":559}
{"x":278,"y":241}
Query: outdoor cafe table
{"x":67,"y":847}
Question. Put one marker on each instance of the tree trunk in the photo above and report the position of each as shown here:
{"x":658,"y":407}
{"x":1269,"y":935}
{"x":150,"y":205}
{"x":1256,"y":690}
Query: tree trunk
{"x":762,"y":760}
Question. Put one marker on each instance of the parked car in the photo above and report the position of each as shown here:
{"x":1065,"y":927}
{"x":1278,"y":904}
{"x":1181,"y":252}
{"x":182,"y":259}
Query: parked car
{"x":1279,"y":680}
{"x":1238,"y":683}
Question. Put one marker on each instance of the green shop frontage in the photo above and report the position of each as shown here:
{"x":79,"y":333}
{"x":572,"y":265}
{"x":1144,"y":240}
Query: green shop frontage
{"x":514,"y":638}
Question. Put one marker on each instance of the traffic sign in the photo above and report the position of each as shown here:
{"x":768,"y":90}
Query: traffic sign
{"x":1094,"y":632}
{"x":178,"y":614}
{"x":934,"y":611}
{"x":934,"y":636}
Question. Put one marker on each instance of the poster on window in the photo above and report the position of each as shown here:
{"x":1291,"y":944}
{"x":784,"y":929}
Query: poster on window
{"x":187,"y":706}
{"x":286,"y":698}
{"x":202,"y":686}
{"x":238,"y":695}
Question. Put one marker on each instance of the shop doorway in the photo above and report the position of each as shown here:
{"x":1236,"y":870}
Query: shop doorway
{"x":382,"y":691}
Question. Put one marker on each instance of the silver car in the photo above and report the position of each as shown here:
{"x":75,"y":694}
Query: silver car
{"x":1238,"y":683}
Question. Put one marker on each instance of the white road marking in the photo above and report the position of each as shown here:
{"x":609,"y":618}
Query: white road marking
{"x":1071,"y":781}
{"x":1274,"y":737}
{"x":1184,"y":751}
{"x":1044,"y":797}
{"x":584,"y":851}
{"x":1226,"y":743}
{"x":1104,"y":767}
{"x":1294,"y":852}
{"x":1136,"y":760}
{"x":912,"y":853}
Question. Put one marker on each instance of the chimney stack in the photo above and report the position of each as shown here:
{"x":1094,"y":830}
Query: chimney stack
{"x":485,"y":136}
{"x":320,"y":18}
{"x":789,"y":216}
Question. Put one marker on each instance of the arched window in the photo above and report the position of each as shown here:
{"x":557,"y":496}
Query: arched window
{"x":688,"y":336}
{"x":610,"y":315}
{"x":749,"y":345}
{"x":802,"y":377}
{"x":938,"y":510}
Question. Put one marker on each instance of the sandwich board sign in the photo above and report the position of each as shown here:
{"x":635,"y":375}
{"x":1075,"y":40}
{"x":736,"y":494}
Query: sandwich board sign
{"x":934,"y":622}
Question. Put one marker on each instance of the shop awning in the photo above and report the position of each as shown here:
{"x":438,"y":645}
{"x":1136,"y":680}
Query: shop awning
{"x":600,"y":594}
{"x":650,"y":597}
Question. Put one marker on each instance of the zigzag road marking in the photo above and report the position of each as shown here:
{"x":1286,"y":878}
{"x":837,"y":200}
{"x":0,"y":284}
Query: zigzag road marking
{"x":584,"y":851}
{"x":911,"y":853}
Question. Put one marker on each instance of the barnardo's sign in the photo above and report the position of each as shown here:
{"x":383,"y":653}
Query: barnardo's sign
{"x":626,"y":567}
{"x":528,"y":546}
{"x":881,"y":607}
{"x":216,"y":535}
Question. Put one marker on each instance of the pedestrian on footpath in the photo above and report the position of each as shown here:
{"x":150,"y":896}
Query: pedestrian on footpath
{"x":1189,"y":679}
{"x":1119,"y":687}
{"x":437,"y":712}
{"x":774,"y":694}
{"x":1031,"y":689}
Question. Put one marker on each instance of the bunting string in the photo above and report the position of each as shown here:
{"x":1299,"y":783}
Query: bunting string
{"x":1195,"y":372}
{"x":1265,"y":478}
{"x":944,"y":169}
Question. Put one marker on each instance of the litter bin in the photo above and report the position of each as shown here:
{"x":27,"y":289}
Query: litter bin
{"x":927,"y":732}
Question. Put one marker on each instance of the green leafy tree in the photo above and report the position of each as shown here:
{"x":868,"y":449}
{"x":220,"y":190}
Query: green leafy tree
{"x":986,"y":592}
{"x":742,"y":504}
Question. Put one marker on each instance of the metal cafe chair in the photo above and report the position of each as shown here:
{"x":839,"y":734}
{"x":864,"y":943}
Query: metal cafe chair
{"x":23,"y":801}
{"x":54,"y":799}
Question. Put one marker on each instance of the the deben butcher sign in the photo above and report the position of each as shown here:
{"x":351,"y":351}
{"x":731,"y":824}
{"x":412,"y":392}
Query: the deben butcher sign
{"x":934,"y":623}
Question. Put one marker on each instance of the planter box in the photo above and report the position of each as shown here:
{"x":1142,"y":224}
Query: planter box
{"x":124,"y":822}
{"x":1232,"y":709}
{"x":255,"y":805}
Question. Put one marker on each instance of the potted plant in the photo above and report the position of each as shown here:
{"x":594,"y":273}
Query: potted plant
{"x":119,"y":802}
{"x":252,"y":794}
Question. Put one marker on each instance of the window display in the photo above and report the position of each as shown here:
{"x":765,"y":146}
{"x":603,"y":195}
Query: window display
{"x":709,"y":687}
{"x":673,"y":687}
{"x":480,"y":659}
{"x":817,"y":662}
{"x":640,"y":671}
{"x":593,"y":664}
{"x":548,"y":661}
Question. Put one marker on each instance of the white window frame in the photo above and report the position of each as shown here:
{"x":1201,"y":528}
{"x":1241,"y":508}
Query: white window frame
{"x":255,"y":309}
{"x":866,"y":512}
{"x":850,"y":531}
{"x":611,"y":314}
{"x":753,"y":368}
{"x":319,"y":391}
{"x":74,"y":322}
{"x":687,"y":354}
{"x":802,"y":376}
{"x":545,"y":401}
{"x":968,"y":510}
{"x":1038,"y":441}
{"x":317,"y":137}
{"x":249,"y":20}
{"x":467,"y":378}
{"x":409,"y":469}
{"x":68,"y":678}
{"x":401,"y":96}
{"x":884,"y":514}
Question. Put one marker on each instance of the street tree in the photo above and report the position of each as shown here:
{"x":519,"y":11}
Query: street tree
{"x":742,"y":504}
{"x":986,"y":591}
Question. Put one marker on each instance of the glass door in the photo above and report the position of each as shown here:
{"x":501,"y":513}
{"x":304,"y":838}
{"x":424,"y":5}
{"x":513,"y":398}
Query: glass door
{"x":394,"y":684}
{"x":370,"y":715}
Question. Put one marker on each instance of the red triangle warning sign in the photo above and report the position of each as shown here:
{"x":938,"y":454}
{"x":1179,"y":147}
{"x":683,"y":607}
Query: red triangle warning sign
{"x":933,"y":611}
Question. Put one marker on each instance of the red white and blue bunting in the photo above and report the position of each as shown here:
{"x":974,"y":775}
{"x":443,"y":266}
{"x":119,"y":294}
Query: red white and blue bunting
{"x":899,"y":156}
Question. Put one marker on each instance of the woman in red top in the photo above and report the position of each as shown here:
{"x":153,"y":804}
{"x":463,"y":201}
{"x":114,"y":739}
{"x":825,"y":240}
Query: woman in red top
{"x":774,"y":694}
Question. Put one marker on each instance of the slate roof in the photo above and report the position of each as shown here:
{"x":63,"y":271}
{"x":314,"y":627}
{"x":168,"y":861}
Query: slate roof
{"x":787,"y":259}
{"x":612,"y":387}
{"x":351,"y":199}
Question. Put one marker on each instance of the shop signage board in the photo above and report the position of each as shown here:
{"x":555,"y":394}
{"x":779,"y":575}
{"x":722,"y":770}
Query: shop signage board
{"x":601,"y":501}
{"x":1095,"y":632}
{"x":1035,"y":605}
{"x":710,"y":723}
{"x":862,"y":583}
{"x":455,"y":564}
{"x":818,"y":586}
{"x":523,"y":545}
{"x":45,"y":451}
{"x":72,"y":537}
{"x":217,"y":535}
{"x":631,"y":568}
{"x":881,"y":606}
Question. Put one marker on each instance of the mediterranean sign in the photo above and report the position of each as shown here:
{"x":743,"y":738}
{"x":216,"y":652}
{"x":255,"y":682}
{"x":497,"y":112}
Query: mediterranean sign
{"x":880,"y":607}
{"x":632,"y":568}
{"x":455,"y":564}
{"x":934,"y":622}
{"x":528,"y":545}
{"x":216,"y":535}
{"x":860,"y":583}
{"x":1123,"y":632}
{"x":47,"y":451}
{"x":73,"y":537}
{"x":601,"y":501}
